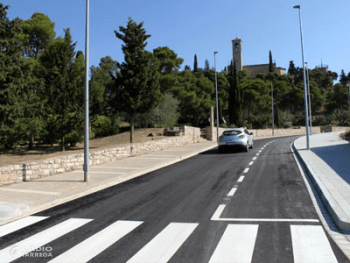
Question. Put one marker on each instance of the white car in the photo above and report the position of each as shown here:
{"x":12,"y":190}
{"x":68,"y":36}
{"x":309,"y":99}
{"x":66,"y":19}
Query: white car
{"x":236,"y":137}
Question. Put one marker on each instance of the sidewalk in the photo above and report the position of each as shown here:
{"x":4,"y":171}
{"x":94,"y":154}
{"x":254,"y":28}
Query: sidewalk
{"x":50,"y":191}
{"x":328,"y":164}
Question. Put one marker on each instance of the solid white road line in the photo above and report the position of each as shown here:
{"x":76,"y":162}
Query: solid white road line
{"x":246,"y":170}
{"x":251,"y":163}
{"x":232,"y":192}
{"x":220,"y":209}
{"x":254,"y":158}
{"x":218,"y":212}
{"x":19,"y":224}
{"x":310,"y":244}
{"x":236,"y":244}
{"x":165,"y":244}
{"x":94,"y":245}
{"x":21,"y":248}
{"x":240,"y":179}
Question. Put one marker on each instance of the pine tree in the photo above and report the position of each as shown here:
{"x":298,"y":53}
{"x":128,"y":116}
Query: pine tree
{"x":271,"y":69}
{"x":195,"y":64}
{"x":137,"y":88}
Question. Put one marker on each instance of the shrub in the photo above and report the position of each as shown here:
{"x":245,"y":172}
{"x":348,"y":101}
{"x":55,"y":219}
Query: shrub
{"x":223,"y":125}
{"x":286,"y":120}
{"x":74,"y":137}
{"x":102,"y":126}
{"x":232,"y":126}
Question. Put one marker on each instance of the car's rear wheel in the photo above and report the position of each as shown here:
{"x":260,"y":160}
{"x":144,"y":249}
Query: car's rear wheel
{"x":220,"y":150}
{"x":246,"y":149}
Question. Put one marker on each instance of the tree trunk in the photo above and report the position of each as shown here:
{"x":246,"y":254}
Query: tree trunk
{"x":63,"y":143}
{"x":31,"y":142}
{"x":132,"y":128}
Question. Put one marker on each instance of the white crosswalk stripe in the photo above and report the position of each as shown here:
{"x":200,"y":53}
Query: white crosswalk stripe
{"x":165,"y":244}
{"x":236,"y":244}
{"x":19,"y":249}
{"x":94,"y":245}
{"x":310,"y":244}
{"x":19,"y":224}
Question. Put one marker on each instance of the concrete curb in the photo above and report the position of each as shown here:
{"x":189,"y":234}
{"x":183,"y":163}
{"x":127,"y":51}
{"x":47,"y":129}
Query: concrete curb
{"x":337,"y":214}
{"x":89,"y":188}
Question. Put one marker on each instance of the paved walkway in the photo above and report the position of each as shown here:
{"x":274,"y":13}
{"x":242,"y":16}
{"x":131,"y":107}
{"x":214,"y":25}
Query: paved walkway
{"x":22,"y":199}
{"x":328,"y":164}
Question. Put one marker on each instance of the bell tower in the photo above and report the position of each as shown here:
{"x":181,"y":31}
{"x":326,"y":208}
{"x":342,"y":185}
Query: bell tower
{"x":237,"y":53}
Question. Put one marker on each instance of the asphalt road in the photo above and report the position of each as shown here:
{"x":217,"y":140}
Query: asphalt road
{"x":231,"y":207}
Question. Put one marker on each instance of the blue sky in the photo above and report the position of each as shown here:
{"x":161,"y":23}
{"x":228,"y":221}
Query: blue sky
{"x":192,"y":27}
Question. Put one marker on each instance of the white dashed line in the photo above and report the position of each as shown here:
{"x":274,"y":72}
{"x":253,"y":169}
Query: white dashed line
{"x":240,"y":179}
{"x":246,"y":170}
{"x":232,"y":192}
{"x":257,"y":153}
{"x":254,"y":158}
{"x":251,"y":163}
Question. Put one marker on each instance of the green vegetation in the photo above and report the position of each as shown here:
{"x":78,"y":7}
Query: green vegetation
{"x":42,"y":88}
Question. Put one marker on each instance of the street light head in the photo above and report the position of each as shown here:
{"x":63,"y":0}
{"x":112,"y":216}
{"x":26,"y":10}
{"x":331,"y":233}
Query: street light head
{"x":215,"y":52}
{"x":296,"y":6}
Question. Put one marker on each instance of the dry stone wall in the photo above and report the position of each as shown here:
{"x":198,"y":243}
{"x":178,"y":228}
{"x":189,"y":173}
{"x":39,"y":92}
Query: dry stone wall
{"x":259,"y":133}
{"x":42,"y":168}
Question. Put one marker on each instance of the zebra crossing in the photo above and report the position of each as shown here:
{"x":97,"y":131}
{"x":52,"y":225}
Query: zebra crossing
{"x":237,"y":244}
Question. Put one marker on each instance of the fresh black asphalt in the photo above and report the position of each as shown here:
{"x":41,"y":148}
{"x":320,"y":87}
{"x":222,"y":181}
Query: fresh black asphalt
{"x":190,"y":191}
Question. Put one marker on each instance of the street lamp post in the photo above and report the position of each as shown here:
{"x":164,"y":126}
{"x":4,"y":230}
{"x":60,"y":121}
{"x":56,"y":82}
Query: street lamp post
{"x":305,"y":96}
{"x":273,"y":119}
{"x":86,"y":113}
{"x":216,"y":92}
{"x":308,"y":90}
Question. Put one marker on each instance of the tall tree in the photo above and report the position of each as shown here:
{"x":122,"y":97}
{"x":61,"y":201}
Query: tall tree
{"x":206,"y":65}
{"x":101,"y":85}
{"x":343,"y":78}
{"x":14,"y":77}
{"x":271,"y":69}
{"x":291,"y":69}
{"x":235,"y":101}
{"x":38,"y":32}
{"x":64,"y":77}
{"x":195,"y":64}
{"x":137,"y":86}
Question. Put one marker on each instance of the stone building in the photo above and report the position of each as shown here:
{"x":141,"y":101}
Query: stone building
{"x":252,"y":70}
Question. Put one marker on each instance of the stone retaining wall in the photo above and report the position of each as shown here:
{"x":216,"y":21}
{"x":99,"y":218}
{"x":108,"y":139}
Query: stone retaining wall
{"x":20,"y":172}
{"x":258,"y":133}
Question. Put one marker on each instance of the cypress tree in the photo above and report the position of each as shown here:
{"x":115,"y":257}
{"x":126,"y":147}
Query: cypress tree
{"x":271,"y":69}
{"x":195,"y":64}
{"x":206,"y":65}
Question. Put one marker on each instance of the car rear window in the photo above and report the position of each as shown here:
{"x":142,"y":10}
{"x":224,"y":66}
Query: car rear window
{"x":232,"y":132}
